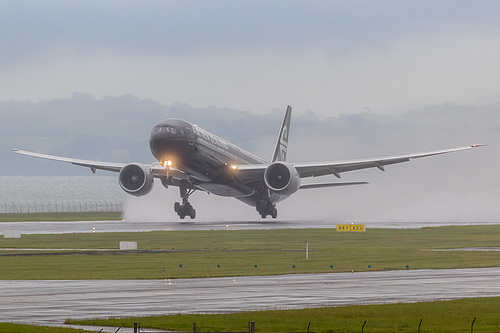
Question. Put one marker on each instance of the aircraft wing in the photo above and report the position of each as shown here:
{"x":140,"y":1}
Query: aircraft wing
{"x":336,"y":168}
{"x":316,"y":169}
{"x":93,"y":165}
{"x":157,"y":169}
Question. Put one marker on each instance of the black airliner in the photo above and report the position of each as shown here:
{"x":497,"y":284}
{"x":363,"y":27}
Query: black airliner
{"x":193,"y":159}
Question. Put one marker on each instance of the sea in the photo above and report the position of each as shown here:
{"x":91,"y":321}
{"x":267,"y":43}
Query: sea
{"x":75,"y":193}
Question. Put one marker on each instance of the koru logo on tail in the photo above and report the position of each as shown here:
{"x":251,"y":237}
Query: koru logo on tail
{"x":283,"y":143}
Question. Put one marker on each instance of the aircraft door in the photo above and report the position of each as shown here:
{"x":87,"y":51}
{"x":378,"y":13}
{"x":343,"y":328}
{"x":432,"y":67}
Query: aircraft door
{"x":190,"y":135}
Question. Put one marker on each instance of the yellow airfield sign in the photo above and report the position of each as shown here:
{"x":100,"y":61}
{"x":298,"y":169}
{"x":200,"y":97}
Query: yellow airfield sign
{"x":351,"y":227}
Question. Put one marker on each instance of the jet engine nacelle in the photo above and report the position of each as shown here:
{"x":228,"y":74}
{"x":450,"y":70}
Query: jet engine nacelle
{"x":282,"y":178}
{"x":136,"y":179}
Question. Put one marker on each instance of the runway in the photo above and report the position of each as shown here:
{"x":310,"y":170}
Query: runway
{"x":119,"y":226}
{"x":51,"y":302}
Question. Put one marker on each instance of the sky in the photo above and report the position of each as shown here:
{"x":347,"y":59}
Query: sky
{"x":331,"y":57}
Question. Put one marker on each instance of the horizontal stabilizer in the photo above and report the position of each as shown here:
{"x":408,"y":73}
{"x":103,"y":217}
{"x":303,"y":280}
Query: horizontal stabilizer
{"x":319,"y":185}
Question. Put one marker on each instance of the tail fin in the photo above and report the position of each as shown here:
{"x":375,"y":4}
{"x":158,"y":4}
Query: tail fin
{"x":282,"y":142}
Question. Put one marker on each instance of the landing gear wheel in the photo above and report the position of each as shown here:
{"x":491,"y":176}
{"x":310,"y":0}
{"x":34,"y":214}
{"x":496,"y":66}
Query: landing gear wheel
{"x":189,"y":210}
{"x":185,"y":209}
{"x":265,"y":207}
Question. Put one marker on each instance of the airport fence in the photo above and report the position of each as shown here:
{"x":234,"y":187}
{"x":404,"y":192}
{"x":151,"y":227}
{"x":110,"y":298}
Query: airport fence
{"x":251,"y":328}
{"x":61,"y":207}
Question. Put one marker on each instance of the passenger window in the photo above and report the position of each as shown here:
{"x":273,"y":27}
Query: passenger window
{"x":165,"y":129}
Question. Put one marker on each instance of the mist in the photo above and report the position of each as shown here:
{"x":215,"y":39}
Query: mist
{"x":89,"y":79}
{"x":458,"y":187}
{"x":462,"y":186}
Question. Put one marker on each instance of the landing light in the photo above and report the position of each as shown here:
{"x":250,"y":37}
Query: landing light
{"x":234,"y":167}
{"x":167,"y":163}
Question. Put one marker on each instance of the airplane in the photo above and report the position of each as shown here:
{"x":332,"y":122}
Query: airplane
{"x":193,"y":159}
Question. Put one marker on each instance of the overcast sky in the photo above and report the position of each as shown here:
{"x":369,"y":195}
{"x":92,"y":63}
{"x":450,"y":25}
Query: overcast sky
{"x":331,"y":57}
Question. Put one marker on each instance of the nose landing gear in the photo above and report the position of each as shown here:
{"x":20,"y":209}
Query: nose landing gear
{"x":185,"y":209}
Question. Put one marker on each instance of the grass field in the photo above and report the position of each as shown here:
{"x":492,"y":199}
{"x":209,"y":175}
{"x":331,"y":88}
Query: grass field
{"x":238,"y":252}
{"x":18,"y":328}
{"x":448,"y":316}
{"x":55,"y":217}
{"x":273,"y":252}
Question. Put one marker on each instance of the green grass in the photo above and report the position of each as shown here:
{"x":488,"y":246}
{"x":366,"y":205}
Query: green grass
{"x":56,"y":217}
{"x":443,"y":316}
{"x":18,"y":328}
{"x":237,"y":252}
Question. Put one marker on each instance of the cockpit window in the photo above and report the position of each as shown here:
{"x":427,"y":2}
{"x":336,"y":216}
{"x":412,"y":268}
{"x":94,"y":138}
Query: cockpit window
{"x":165,"y":129}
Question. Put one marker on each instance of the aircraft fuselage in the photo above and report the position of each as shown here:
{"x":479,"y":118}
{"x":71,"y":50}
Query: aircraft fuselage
{"x":203,"y":156}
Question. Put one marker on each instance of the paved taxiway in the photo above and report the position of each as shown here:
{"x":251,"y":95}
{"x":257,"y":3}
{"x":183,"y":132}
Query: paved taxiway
{"x":47,"y":302}
{"x":119,"y":226}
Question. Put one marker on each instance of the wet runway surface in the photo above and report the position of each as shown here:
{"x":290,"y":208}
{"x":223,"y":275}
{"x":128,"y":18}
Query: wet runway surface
{"x":119,"y":226}
{"x":51,"y":302}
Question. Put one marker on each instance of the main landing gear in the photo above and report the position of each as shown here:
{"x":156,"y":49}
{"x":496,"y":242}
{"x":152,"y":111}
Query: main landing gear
{"x":266,"y":207}
{"x":186,"y":209}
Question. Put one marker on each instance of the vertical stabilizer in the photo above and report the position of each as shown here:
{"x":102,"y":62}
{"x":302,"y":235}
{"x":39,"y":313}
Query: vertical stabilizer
{"x":282,"y":142}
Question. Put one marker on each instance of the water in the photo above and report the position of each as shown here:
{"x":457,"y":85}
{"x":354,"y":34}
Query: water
{"x":68,"y":193}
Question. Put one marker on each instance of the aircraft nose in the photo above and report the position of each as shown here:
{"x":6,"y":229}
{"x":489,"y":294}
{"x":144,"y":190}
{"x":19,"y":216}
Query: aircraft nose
{"x":166,"y":140}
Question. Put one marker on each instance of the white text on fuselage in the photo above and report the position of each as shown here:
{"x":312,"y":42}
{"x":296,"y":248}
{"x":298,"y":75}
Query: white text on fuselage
{"x":210,"y":137}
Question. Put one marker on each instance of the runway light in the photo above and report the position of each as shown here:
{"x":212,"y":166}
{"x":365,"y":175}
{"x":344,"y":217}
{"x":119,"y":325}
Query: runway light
{"x":227,"y":225}
{"x":123,"y":220}
{"x":93,"y":229}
